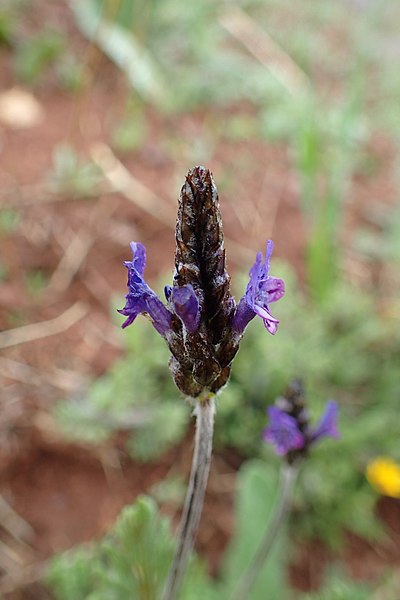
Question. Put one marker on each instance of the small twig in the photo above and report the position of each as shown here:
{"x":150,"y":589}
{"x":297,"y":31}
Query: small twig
{"x":13,"y":523}
{"x":10,"y":561}
{"x":78,"y":249}
{"x":193,"y":506}
{"x":25,"y":576}
{"x":264,"y":49}
{"x":120,"y":46}
{"x":288,"y":477}
{"x":129,"y":186}
{"x":16,"y":196}
{"x":37,"y":331}
{"x":68,"y":381}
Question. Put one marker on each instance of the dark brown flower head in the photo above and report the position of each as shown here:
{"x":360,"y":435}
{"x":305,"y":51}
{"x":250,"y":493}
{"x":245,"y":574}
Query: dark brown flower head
{"x":200,"y":266}
{"x":201,"y":322}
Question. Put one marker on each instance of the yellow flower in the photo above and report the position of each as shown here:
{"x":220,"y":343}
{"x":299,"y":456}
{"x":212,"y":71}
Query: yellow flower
{"x":384,"y":475}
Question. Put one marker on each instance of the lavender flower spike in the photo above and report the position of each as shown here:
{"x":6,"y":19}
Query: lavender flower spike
{"x":289,"y":429}
{"x":141,"y":299}
{"x":261,"y":290}
{"x":200,"y":321}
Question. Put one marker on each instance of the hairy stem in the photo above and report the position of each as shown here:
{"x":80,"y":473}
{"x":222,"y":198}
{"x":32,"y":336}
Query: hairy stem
{"x":288,"y":478}
{"x":204,"y":411}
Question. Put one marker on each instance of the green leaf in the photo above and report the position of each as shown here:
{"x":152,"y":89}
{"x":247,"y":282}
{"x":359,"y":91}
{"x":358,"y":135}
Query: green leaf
{"x":255,"y":502}
{"x":122,"y":48}
{"x":36,"y":54}
{"x":132,"y":561}
{"x":339,"y":587}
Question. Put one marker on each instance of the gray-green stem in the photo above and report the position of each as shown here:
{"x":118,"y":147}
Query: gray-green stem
{"x":287,"y":480}
{"x":204,"y":411}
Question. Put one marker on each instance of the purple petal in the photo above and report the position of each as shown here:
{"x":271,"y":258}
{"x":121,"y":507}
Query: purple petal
{"x":270,"y":322}
{"x":138,"y":257}
{"x":261,"y":290}
{"x":274,"y":288}
{"x":327,"y":426}
{"x":186,"y":306}
{"x":271,"y":326}
{"x":131,"y":310}
{"x":141,"y":299}
{"x":268,"y":253}
{"x":257,"y":271}
{"x":130,"y":319}
{"x":283,"y":431}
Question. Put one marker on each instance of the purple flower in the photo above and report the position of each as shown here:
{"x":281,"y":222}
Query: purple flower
{"x":283,"y":431}
{"x":261,"y":290}
{"x":286,"y":433}
{"x":141,"y":299}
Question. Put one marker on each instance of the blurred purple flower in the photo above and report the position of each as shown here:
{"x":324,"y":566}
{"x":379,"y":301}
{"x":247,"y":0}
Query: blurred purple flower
{"x":141,"y":299}
{"x":285,"y":434}
{"x":282,"y":431}
{"x":327,"y":425}
{"x":261,"y":290}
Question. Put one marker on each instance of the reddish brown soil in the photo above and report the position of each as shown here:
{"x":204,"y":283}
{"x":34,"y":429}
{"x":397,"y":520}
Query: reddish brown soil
{"x":69,"y":494}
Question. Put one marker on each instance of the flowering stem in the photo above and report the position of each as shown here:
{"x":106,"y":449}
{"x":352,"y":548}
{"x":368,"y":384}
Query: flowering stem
{"x":287,"y":480}
{"x":204,"y":411}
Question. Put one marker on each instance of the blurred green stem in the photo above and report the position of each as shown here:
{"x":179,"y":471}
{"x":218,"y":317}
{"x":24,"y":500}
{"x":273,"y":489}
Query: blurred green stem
{"x":287,"y":480}
{"x":204,"y":411}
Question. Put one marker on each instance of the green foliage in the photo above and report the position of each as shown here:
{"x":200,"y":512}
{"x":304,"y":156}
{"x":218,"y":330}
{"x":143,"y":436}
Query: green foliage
{"x":72,"y":176}
{"x":131,"y":131}
{"x":10,"y":14}
{"x":381,"y":241}
{"x":174,"y":54}
{"x":70,"y":574}
{"x":9,"y":221}
{"x":7,"y":24}
{"x":323,"y":139}
{"x":132,"y":561}
{"x":70,"y":72}
{"x":35,"y":281}
{"x":35,"y":55}
{"x":257,"y":485}
{"x":120,"y":46}
{"x":338,"y":587}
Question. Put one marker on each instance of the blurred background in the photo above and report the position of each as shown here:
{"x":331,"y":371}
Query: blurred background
{"x":104,"y":106}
